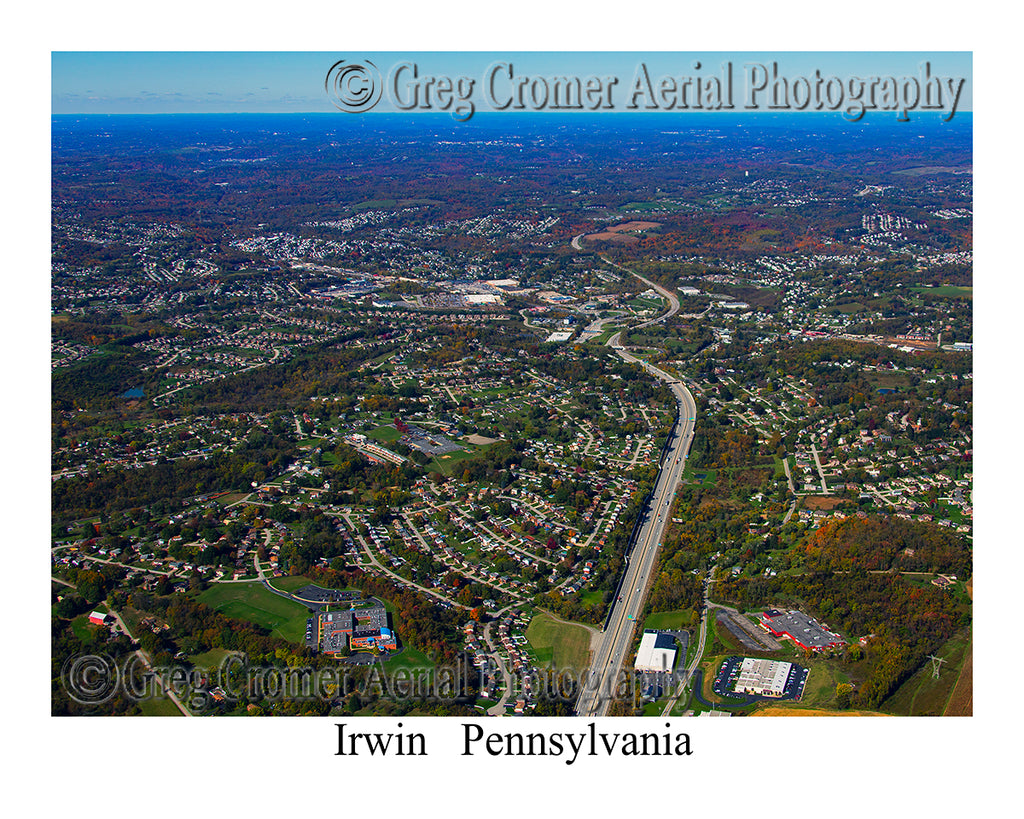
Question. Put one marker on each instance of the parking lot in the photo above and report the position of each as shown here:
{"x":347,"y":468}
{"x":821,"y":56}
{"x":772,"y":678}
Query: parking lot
{"x":725,"y":682}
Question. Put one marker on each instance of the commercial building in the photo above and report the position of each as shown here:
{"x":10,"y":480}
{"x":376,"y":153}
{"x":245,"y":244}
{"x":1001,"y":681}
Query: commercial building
{"x":766,"y":678}
{"x":657,"y":652}
{"x":801,"y":629}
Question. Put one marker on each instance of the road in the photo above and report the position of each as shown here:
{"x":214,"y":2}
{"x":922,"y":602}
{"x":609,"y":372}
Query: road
{"x":789,"y":475}
{"x":699,"y":653}
{"x":401,"y":580}
{"x":821,"y":474}
{"x":614,"y":647}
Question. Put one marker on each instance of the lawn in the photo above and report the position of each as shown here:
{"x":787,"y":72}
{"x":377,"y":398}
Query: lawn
{"x":84,"y":630}
{"x":159,"y":707}
{"x":211,"y":660}
{"x":252,"y":602}
{"x":410,"y":658}
{"x":564,"y":645}
{"x":385,"y":434}
{"x":449,"y":462}
{"x":820,"y":688}
{"x":670,"y":620}
{"x":291,"y":583}
{"x":946,"y":291}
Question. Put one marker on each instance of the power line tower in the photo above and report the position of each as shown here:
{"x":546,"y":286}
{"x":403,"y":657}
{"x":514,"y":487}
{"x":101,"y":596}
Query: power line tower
{"x":936,"y":663}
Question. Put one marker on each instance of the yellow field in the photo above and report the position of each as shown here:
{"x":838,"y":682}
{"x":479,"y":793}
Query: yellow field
{"x":782,"y":711}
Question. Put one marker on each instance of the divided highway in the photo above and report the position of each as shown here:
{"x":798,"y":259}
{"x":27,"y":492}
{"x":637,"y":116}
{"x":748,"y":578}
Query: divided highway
{"x":605,"y":675}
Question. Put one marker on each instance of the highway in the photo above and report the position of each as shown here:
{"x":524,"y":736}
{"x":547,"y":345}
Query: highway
{"x":605,"y":675}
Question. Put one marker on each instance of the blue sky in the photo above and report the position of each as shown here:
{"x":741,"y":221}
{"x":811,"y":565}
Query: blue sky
{"x":221,"y":82}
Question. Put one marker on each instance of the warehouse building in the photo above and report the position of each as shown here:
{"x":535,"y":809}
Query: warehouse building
{"x":766,"y":678}
{"x":657,"y":652}
{"x":801,"y":629}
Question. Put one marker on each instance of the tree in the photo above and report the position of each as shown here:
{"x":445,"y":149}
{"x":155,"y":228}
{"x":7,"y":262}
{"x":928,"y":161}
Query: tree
{"x":91,"y":585}
{"x":843,"y":693}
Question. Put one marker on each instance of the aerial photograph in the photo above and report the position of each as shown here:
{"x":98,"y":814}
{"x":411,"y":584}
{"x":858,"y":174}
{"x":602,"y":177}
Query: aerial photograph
{"x":511,"y":385}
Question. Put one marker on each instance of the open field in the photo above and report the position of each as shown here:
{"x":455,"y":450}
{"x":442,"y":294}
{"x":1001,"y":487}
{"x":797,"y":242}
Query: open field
{"x":630,"y":226}
{"x":608,"y":236}
{"x":821,"y":502}
{"x":923,"y":695}
{"x":291,"y":583}
{"x":159,"y":707}
{"x":660,"y":206}
{"x":961,"y":701}
{"x":84,"y":630}
{"x":670,"y":620}
{"x":385,"y":434}
{"x":783,"y":710}
{"x":946,"y":291}
{"x":449,"y":462}
{"x":409,"y":658}
{"x":566,"y":646}
{"x":820,"y":688}
{"x":212,"y":659}
{"x":252,"y":602}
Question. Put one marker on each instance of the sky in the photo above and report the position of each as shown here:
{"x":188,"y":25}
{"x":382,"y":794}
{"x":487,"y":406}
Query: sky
{"x":155,"y":82}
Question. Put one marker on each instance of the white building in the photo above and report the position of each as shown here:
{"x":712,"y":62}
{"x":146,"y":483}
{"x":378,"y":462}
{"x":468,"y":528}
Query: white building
{"x":657,"y":652}
{"x":766,"y":678}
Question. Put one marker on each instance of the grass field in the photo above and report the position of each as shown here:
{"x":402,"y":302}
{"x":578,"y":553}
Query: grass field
{"x":655,"y":207}
{"x":84,"y":630}
{"x":374,"y":203}
{"x":670,"y":620}
{"x":252,"y":602}
{"x":409,"y":658}
{"x":961,"y":701}
{"x":820,"y":688}
{"x":449,"y":462}
{"x":385,"y":434}
{"x":159,"y":707}
{"x":210,"y":660}
{"x":564,"y":645}
{"x":946,"y":291}
{"x":607,"y":334}
{"x":922,"y":694}
{"x":291,"y":583}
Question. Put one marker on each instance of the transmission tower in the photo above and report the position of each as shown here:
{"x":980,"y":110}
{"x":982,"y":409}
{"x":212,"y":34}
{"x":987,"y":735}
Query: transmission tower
{"x":936,"y":663}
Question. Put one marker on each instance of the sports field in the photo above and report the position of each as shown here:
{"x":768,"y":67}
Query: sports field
{"x":252,"y":602}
